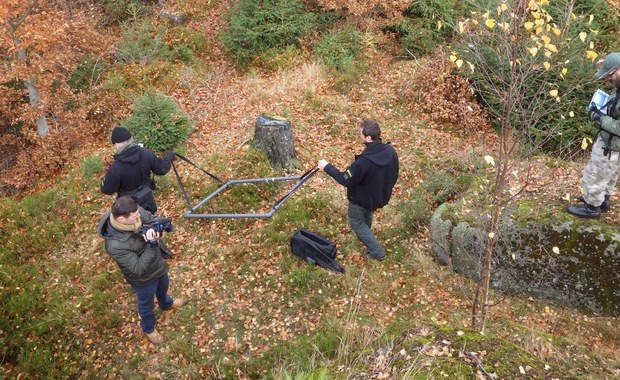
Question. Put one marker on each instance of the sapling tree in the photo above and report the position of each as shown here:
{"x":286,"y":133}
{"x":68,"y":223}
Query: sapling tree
{"x":528,"y":62}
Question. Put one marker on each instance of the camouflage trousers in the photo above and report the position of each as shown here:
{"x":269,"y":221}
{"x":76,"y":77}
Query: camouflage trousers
{"x":600,"y":175}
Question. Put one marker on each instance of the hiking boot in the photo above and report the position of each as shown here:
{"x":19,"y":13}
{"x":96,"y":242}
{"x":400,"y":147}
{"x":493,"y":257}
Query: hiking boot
{"x":585,"y":210}
{"x":605,"y":206}
{"x":367,"y":255}
{"x":155,"y":337}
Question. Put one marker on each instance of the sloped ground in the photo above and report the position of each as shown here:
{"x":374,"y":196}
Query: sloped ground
{"x":251,"y":300}
{"x":257,"y":311}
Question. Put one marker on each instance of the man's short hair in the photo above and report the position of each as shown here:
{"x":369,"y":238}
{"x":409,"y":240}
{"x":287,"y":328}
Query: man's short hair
{"x":123,"y":206}
{"x":371,"y":128}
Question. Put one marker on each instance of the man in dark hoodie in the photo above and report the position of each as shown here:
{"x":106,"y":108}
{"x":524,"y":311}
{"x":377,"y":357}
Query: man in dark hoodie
{"x":369,"y":181}
{"x":130,"y":172}
{"x":140,"y":258}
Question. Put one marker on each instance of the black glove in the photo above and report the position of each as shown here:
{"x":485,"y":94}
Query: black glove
{"x":170,"y":156}
{"x":595,"y":116}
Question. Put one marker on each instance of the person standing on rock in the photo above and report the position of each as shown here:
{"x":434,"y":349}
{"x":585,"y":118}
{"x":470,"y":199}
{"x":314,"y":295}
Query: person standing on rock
{"x":369,"y":181}
{"x":601,"y":172}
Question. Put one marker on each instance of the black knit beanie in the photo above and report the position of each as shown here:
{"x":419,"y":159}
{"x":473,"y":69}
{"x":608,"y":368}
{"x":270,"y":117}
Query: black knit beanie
{"x":120,"y":134}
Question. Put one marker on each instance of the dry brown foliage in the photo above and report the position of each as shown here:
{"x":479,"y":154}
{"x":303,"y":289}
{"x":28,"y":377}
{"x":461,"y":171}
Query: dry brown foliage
{"x":366,"y":13}
{"x":443,"y":97}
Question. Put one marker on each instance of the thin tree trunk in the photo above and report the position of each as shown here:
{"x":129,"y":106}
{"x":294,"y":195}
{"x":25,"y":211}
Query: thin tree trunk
{"x":33,"y":91}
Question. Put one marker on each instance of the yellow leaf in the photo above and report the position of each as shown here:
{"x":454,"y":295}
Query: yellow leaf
{"x":591,"y":45}
{"x":439,"y":24}
{"x":459,"y":63}
{"x":554,"y":93}
{"x":546,"y":39}
{"x":564,"y":71}
{"x":490,"y":23}
{"x":461,"y":27}
{"x":539,"y":22}
{"x":591,"y":55}
{"x":547,"y":65}
{"x":584,"y":143}
{"x":548,"y":54}
{"x":533,"y":51}
{"x":536,"y":15}
{"x":583,"y":36}
{"x":452,"y":58}
{"x":552,"y":48}
{"x":528,"y":25}
{"x":591,"y":19}
{"x":557,"y":31}
{"x":472,"y":67}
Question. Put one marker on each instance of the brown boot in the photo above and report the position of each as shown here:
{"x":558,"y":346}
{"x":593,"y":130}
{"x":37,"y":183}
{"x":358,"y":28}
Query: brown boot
{"x":155,"y":337}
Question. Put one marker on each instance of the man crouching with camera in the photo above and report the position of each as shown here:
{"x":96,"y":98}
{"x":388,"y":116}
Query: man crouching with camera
{"x":141,"y":257}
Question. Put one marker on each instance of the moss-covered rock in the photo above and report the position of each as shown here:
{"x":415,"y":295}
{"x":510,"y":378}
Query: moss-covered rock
{"x":545,"y":254}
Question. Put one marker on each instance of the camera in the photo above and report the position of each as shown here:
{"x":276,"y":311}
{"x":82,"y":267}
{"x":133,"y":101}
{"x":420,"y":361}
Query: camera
{"x":158,"y":224}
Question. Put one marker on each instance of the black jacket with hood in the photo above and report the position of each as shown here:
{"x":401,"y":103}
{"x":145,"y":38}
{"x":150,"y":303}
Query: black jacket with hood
{"x":371,"y":177}
{"x":131,"y":170}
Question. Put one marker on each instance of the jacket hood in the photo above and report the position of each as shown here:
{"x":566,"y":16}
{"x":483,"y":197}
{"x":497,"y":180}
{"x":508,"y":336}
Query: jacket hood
{"x":105,"y":230}
{"x":130,"y":155}
{"x":375,"y":153}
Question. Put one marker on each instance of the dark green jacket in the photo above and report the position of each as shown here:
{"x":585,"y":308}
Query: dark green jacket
{"x":141,"y":263}
{"x":610,"y":123}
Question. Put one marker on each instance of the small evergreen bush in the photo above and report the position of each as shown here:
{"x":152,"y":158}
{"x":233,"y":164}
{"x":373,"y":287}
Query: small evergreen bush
{"x":87,"y":74}
{"x":143,"y":42}
{"x":426,"y":25}
{"x":257,"y":27}
{"x":158,"y":122}
{"x":117,"y":11}
{"x":340,"y":51}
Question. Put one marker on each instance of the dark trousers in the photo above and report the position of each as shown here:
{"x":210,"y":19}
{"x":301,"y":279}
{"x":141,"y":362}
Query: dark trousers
{"x":360,"y":220}
{"x":146,"y":301}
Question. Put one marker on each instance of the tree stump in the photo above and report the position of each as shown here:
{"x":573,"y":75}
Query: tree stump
{"x":274,"y":137}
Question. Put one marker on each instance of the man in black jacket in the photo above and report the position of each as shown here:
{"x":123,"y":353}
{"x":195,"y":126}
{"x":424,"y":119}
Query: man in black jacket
{"x":140,"y":258}
{"x":130,"y":172}
{"x":369,"y":181}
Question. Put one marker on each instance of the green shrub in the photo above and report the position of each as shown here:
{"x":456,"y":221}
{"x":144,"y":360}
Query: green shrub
{"x":143,"y":42}
{"x":426,"y":25}
{"x":416,"y":210}
{"x":443,"y":186}
{"x":158,"y":122}
{"x":117,"y":11}
{"x":258,"y":26}
{"x":340,"y":51}
{"x":184,"y":44}
{"x":87,"y":74}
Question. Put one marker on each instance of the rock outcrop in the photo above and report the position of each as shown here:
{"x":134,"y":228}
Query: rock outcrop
{"x":545,"y":253}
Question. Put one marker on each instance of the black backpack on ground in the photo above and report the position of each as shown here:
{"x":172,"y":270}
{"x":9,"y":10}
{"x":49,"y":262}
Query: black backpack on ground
{"x":315,"y":249}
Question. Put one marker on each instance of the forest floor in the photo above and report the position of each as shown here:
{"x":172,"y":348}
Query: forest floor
{"x":256,"y":311}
